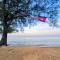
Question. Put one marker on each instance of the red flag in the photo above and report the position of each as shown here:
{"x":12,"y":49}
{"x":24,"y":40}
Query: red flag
{"x":42,"y":18}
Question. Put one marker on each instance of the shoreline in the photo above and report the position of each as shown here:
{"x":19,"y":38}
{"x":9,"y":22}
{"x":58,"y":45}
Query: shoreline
{"x":41,"y":45}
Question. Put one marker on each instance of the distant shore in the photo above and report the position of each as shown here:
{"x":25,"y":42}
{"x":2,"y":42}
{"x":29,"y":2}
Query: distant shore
{"x":29,"y":53}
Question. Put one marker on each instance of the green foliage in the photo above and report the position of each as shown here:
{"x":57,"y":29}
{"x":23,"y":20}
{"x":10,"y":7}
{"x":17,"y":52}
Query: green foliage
{"x":49,"y":8}
{"x":0,"y":30}
{"x":10,"y":29}
{"x":19,"y":12}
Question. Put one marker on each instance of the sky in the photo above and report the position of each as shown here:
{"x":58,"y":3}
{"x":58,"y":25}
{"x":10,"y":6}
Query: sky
{"x":40,"y":29}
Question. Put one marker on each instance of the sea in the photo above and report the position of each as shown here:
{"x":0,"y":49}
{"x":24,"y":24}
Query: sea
{"x":38,"y":40}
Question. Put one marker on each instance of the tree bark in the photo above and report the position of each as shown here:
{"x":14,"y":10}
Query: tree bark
{"x":5,"y":18}
{"x":4,"y":35}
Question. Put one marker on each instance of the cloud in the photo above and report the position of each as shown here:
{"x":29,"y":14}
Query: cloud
{"x":40,"y":29}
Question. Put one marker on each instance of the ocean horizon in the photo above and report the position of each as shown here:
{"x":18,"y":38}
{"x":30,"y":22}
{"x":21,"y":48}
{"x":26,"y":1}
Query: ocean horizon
{"x":47,"y":40}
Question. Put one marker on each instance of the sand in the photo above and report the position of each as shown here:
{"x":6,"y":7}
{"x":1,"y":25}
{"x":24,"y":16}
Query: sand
{"x":29,"y":53}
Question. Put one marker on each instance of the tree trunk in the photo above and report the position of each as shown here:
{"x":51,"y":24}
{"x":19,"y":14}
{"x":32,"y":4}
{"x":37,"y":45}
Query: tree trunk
{"x":4,"y":36}
{"x":5,"y":18}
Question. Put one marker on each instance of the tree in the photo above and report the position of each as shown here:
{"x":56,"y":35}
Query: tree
{"x":11,"y":10}
{"x":19,"y":12}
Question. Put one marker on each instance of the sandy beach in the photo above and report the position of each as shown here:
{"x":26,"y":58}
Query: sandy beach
{"x":29,"y":53}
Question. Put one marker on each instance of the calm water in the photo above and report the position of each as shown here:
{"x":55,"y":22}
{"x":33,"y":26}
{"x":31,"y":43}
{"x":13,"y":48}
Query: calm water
{"x":33,"y":40}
